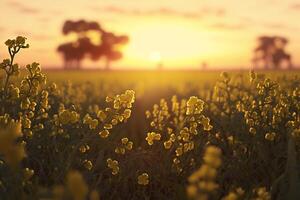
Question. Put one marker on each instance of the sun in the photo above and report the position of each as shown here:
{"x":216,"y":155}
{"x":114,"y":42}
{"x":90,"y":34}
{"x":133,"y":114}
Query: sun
{"x":167,"y":42}
{"x":155,"y":56}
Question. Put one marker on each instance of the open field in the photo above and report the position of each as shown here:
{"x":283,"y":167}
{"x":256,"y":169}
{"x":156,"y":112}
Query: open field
{"x":155,"y":77}
{"x":168,"y":135}
{"x":78,"y":135}
{"x":162,"y":84}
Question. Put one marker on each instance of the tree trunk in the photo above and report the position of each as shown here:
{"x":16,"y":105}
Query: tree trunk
{"x":107,"y":64}
{"x":78,"y":64}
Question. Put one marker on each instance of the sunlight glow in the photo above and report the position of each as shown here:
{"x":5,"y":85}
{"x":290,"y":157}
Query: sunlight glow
{"x":179,"y":43}
{"x":155,"y":56}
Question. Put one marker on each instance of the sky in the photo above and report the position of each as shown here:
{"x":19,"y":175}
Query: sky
{"x":177,"y":33}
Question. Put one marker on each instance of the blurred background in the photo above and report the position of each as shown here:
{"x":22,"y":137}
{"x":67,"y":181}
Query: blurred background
{"x":156,"y":34}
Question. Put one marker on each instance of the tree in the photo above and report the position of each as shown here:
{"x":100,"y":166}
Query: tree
{"x":80,"y":26}
{"x":271,"y":52}
{"x":109,"y":48}
{"x":74,"y":52}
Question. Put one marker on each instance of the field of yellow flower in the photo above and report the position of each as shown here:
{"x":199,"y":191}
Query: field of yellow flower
{"x":147,"y":135}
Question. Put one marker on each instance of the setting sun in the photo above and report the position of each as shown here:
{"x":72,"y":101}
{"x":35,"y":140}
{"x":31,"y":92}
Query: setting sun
{"x":155,"y":56}
{"x":178,"y":43}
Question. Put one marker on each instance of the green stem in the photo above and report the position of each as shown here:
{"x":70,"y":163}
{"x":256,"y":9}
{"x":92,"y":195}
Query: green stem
{"x":8,"y":72}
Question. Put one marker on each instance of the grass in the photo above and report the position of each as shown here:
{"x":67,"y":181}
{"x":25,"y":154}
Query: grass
{"x":155,"y":77}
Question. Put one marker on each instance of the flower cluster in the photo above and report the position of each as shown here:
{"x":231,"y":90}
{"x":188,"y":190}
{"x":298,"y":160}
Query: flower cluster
{"x":202,"y":182}
{"x":177,"y":127}
{"x":12,"y":153}
{"x":113,"y":165}
{"x":143,"y":179}
{"x":125,"y":145}
{"x":152,"y":136}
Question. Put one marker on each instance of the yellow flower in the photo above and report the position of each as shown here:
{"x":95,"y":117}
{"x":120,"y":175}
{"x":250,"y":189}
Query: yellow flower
{"x":151,"y":136}
{"x":124,"y":140}
{"x":185,"y":135}
{"x":179,"y":151}
{"x":120,"y":150}
{"x":88,"y":164}
{"x":101,"y":115}
{"x":205,"y":122}
{"x":66,"y":117}
{"x":124,"y":100}
{"x":176,"y":161}
{"x":194,"y":105}
{"x":87,"y":119}
{"x":15,"y":93}
{"x":26,"y":123}
{"x":252,"y":131}
{"x":143,"y":179}
{"x":127,"y":113}
{"x":93,"y":124}
{"x":208,"y":186}
{"x":270,"y":136}
{"x":230,"y":139}
{"x":74,"y":117}
{"x":108,"y":126}
{"x":76,"y":185}
{"x":148,"y":114}
{"x":104,"y":133}
{"x":129,"y":145}
{"x":213,"y":161}
{"x":13,"y":153}
{"x":114,"y":122}
{"x":173,"y":137}
{"x":109,"y":99}
{"x":114,"y":165}
{"x":192,"y":190}
{"x":84,"y":148}
{"x":168,"y":144}
{"x":262,"y":193}
{"x":252,"y":75}
{"x":25,"y":104}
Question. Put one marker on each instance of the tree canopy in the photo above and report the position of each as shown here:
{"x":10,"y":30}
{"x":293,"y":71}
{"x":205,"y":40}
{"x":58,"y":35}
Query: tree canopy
{"x":75,"y":51}
{"x":270,"y":52}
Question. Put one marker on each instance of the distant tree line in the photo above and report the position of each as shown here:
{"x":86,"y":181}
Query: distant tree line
{"x":75,"y":51}
{"x":270,"y":53}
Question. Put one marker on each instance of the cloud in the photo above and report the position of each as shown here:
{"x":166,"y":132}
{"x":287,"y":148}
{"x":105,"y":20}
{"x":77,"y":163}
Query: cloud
{"x":226,"y":26}
{"x":295,"y":6}
{"x":55,"y":12}
{"x":40,"y":50}
{"x":34,"y":36}
{"x":219,"y":12}
{"x":279,"y":26}
{"x":162,"y":11}
{"x":23,"y":8}
{"x":275,"y":25}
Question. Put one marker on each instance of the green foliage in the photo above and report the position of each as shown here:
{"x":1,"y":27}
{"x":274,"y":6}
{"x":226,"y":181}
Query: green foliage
{"x":72,"y":141}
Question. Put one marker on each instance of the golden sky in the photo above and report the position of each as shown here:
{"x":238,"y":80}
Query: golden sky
{"x":179,"y":33}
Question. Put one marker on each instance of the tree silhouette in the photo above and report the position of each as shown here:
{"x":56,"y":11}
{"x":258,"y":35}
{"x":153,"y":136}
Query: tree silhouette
{"x":74,"y":52}
{"x":109,"y":48}
{"x":80,"y":26}
{"x":271,"y":52}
